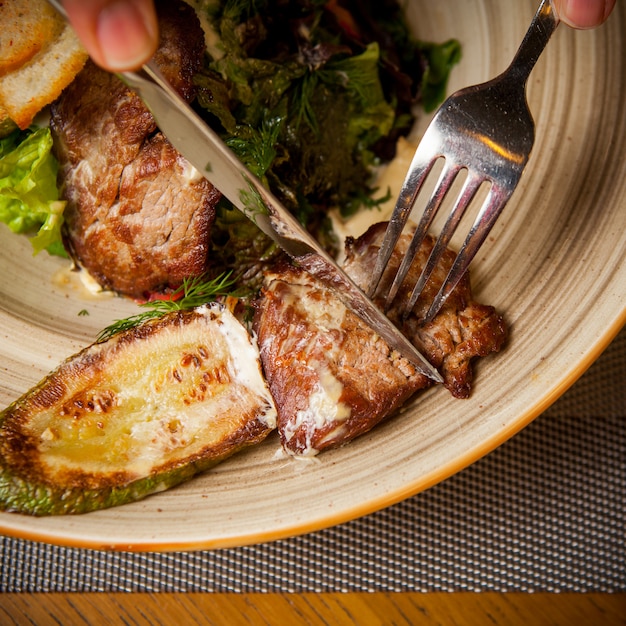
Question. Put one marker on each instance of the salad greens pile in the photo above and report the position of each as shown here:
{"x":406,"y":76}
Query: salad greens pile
{"x":29,"y":198}
{"x":310,"y":95}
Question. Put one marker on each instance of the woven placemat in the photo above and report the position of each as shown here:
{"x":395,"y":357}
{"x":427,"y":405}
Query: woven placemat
{"x":544,"y":512}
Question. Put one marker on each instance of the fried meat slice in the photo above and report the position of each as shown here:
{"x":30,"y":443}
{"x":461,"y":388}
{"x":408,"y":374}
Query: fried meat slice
{"x":462,"y":330}
{"x":138,"y":217}
{"x":331,"y":376}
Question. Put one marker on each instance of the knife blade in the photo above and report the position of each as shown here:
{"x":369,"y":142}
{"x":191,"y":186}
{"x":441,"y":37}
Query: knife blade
{"x":204,"y":149}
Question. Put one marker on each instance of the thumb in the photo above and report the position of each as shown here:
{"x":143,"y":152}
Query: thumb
{"x":118,"y":34}
{"x":583,"y":13}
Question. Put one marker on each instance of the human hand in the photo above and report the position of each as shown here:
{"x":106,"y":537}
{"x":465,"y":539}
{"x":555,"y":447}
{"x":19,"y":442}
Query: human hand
{"x":122,"y":34}
{"x":583,"y":13}
{"x":119,"y":35}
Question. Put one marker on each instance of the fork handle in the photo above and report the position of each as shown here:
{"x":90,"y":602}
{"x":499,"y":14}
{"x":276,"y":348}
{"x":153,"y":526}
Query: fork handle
{"x":541,"y":28}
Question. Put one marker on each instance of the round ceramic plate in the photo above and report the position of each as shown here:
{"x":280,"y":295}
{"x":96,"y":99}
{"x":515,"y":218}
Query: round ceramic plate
{"x":554,"y":265}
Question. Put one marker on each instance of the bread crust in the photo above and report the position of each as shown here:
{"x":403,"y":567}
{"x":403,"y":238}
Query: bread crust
{"x":39,"y":56}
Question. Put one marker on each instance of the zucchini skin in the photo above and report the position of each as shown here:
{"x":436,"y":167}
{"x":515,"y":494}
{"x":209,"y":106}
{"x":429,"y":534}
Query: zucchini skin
{"x":19,"y":495}
{"x":140,"y":413}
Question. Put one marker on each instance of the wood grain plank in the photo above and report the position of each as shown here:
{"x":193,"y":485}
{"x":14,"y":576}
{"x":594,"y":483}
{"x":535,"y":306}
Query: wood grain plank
{"x":328,"y":609}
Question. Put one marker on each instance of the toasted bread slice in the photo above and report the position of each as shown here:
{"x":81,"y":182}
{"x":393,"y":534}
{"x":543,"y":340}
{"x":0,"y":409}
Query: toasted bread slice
{"x":27,"y":27}
{"x":40,"y":56}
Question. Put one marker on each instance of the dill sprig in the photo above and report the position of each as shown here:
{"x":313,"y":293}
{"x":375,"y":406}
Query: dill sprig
{"x":195,"y":291}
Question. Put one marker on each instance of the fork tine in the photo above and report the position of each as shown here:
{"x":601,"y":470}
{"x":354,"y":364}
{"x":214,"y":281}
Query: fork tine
{"x":446,"y":178}
{"x":421,"y":164}
{"x":492,"y":207}
{"x":467,"y":193}
{"x":486,"y":129}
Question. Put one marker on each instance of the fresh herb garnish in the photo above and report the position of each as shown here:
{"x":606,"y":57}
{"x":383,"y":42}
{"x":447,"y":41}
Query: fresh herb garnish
{"x":311,"y":95}
{"x":194,"y":291}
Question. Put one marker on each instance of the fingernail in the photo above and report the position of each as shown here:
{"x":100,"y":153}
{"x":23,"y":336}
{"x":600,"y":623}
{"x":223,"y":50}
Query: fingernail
{"x":582,"y":13}
{"x":126,"y":38}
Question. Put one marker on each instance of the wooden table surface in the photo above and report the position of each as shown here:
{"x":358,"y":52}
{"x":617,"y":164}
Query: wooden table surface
{"x":369,"y":609}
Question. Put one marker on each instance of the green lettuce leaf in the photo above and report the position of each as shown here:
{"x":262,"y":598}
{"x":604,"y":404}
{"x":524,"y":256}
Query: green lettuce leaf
{"x":441,"y":58}
{"x":29,"y":197}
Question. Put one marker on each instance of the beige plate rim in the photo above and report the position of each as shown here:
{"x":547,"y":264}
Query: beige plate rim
{"x":555,"y":265}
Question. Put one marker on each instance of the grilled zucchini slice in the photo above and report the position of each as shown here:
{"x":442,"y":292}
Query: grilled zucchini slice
{"x":145,"y":410}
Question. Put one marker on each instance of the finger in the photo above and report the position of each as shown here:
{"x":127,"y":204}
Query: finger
{"x":584,"y":13}
{"x":118,"y":34}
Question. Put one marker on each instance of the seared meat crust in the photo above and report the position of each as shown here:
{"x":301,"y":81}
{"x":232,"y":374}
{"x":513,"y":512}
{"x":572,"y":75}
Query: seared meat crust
{"x":331,"y":378}
{"x":138,"y":215}
{"x":462,"y":330}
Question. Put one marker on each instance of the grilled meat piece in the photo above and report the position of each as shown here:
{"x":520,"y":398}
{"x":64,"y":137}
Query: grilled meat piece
{"x":331,"y":376}
{"x":138,"y":216}
{"x":462,"y":330}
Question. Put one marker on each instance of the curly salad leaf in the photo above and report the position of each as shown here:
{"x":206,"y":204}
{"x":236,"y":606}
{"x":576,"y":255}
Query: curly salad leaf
{"x":311,"y":95}
{"x":29,"y":197}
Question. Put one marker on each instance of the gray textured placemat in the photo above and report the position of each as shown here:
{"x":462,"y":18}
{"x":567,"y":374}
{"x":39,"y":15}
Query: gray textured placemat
{"x":544,"y":512}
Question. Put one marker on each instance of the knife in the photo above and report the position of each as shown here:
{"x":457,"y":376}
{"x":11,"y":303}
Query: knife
{"x":204,"y":149}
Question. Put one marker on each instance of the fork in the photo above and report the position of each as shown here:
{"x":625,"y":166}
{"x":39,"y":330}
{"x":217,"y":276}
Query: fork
{"x":486,"y":130}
